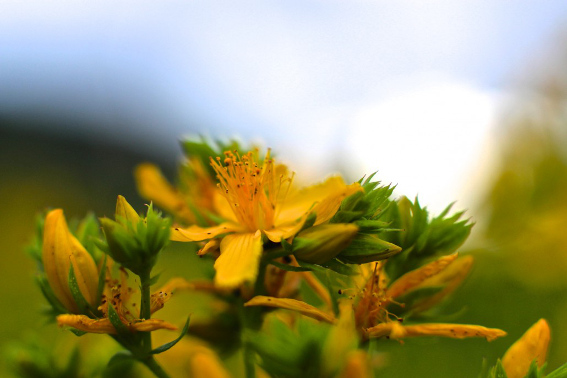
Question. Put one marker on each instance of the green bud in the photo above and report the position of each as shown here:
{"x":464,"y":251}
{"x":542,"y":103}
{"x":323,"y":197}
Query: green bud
{"x":321,"y":243}
{"x":135,"y":242}
{"x":368,"y":248}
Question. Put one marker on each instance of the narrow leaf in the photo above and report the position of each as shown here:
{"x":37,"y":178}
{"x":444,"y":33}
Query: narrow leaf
{"x":166,"y":346}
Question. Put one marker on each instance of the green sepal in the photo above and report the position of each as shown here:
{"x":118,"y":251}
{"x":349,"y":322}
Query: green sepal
{"x":534,"y":372}
{"x":101,"y":281}
{"x":309,"y":222}
{"x":333,"y":264}
{"x":287,"y":246}
{"x":560,"y":372}
{"x":155,"y":279}
{"x":88,"y":232}
{"x":78,"y":297}
{"x":370,"y":226}
{"x":498,"y":371}
{"x":267,"y":257}
{"x":120,"y":327}
{"x":77,"y":332}
{"x":289,"y":268}
{"x":166,"y":346}
{"x":368,"y":248}
{"x":47,"y":292}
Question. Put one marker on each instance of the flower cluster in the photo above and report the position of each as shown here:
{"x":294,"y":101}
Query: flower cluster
{"x":308,"y":280}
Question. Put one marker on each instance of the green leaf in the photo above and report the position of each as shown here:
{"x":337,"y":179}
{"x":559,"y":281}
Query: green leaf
{"x":560,"y":372}
{"x":289,"y":268}
{"x":121,"y":357}
{"x":78,"y":297}
{"x":167,"y":346}
{"x":101,"y":281}
{"x":368,"y":248}
{"x":334,"y":265}
{"x":77,"y":332}
{"x":47,"y":292}
{"x":155,"y":279}
{"x":120,"y":327}
{"x":498,"y":371}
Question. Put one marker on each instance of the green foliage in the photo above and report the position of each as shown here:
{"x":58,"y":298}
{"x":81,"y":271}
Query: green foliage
{"x":166,"y":346}
{"x":366,"y":206}
{"x":285,"y":352}
{"x":203,"y":150}
{"x":136,"y":246}
{"x":368,"y":248}
{"x":560,"y":372}
{"x":34,"y":359}
{"x":422,"y":238}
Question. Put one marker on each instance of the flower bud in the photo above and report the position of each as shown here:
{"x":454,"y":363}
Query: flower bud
{"x":60,"y":250}
{"x":125,"y":212}
{"x":321,"y":243}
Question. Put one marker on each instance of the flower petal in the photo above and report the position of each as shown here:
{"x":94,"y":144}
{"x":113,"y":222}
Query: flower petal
{"x":412,"y":279}
{"x":456,"y":331}
{"x":196,"y":233}
{"x":299,"y":203}
{"x":149,"y":325}
{"x":204,"y":363}
{"x":60,"y":249}
{"x":154,"y":187}
{"x":239,"y":259}
{"x":531,"y":346}
{"x":292,"y":304}
{"x":452,"y":277}
{"x":86,"y":324}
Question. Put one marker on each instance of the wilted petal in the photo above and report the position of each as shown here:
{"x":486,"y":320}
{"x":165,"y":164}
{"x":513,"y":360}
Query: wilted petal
{"x":416,"y":277}
{"x":149,"y":325}
{"x":196,"y":233}
{"x":86,"y":324}
{"x":292,"y":304}
{"x":455,"y":331}
{"x":531,"y":346}
{"x":451,"y":278}
{"x":239,"y":259}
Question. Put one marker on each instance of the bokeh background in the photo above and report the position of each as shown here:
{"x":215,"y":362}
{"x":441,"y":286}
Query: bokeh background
{"x":455,"y":101}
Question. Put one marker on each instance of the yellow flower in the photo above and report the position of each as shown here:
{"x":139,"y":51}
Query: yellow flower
{"x":195,"y":198}
{"x":61,"y":250}
{"x":531,"y":346}
{"x":370,"y":303}
{"x":259,"y":200}
{"x":118,"y":295}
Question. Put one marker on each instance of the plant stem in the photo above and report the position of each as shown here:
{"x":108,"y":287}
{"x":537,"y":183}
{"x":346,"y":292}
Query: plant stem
{"x":151,"y":363}
{"x":145,"y":308}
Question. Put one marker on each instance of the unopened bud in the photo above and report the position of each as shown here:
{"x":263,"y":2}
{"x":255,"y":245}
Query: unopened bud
{"x":320,"y":244}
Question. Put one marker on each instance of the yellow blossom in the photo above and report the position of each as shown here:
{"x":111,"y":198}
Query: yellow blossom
{"x":61,"y":250}
{"x":259,"y":200}
{"x":370,"y":304}
{"x":197,"y":194}
{"x":118,"y":295}
{"x":531,"y":346}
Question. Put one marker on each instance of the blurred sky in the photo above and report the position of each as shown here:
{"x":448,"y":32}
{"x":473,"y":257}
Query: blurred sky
{"x":408,"y":88}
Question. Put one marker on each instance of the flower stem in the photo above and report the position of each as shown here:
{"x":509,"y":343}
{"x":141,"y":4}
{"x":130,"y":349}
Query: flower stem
{"x":152,"y":364}
{"x":145,"y":308}
{"x":146,"y":313}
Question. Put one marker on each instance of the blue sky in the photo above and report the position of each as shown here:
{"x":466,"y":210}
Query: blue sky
{"x":389,"y":86}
